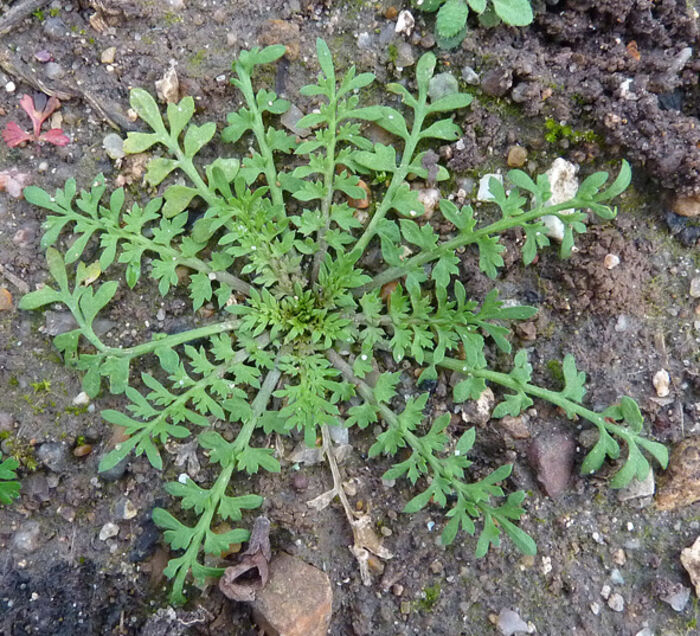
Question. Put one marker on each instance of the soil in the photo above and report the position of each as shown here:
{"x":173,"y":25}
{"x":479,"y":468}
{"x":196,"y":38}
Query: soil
{"x":618,"y":74}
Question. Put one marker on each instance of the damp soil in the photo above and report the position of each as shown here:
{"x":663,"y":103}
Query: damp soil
{"x":620,"y":76}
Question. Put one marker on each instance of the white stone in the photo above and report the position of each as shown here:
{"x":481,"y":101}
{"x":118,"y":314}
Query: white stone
{"x":405,"y":22}
{"x":563,"y":184}
{"x":662,"y":383}
{"x":108,"y":531}
{"x":82,"y":399}
{"x":484,"y":193}
{"x":636,"y":488}
{"x":611,"y":261}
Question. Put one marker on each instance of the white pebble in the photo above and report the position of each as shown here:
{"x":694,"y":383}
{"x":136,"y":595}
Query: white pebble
{"x":108,"y":531}
{"x":82,"y":399}
{"x":10,"y":87}
{"x":661,"y":383}
{"x":611,"y":261}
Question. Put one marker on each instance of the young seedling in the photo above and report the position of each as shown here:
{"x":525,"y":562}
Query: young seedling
{"x":14,"y":135}
{"x":451,"y":20}
{"x":303,"y":339}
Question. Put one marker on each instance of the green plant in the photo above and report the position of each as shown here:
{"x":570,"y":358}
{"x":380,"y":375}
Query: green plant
{"x":9,"y":487}
{"x":557,"y":131}
{"x":451,"y":21}
{"x":283,"y":256}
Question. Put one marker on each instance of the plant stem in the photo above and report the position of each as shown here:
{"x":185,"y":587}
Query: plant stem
{"x":219,"y":488}
{"x":328,"y":178}
{"x":397,"y":179}
{"x":393,"y":273}
{"x":554,"y":397}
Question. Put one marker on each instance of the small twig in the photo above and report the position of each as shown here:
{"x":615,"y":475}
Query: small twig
{"x":19,"y":12}
{"x":15,"y":280}
{"x":13,"y":66}
{"x":335,"y":471}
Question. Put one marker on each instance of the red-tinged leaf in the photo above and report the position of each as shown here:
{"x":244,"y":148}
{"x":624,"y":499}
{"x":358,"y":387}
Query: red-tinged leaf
{"x":38,"y":117}
{"x":14,"y":135}
{"x":55,"y":136}
{"x":13,"y":182}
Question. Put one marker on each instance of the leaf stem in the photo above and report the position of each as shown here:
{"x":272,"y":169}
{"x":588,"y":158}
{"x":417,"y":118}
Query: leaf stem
{"x":393,"y":273}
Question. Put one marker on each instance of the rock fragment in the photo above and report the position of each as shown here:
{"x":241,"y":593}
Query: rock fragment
{"x":552,"y":457}
{"x":680,"y":485}
{"x":690,"y":559}
{"x":687,"y":206}
{"x":296,"y":601}
{"x":168,"y":87}
{"x":637,"y":489}
{"x":517,"y":156}
{"x":564,"y":185}
{"x":662,"y":382}
{"x":27,"y":538}
{"x":509,"y":623}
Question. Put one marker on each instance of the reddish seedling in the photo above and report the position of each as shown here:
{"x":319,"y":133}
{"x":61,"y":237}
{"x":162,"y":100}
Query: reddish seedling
{"x":14,"y":135}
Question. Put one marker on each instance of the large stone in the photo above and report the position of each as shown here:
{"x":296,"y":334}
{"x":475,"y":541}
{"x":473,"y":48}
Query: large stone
{"x":552,"y":457}
{"x":680,"y":486}
{"x":296,"y":601}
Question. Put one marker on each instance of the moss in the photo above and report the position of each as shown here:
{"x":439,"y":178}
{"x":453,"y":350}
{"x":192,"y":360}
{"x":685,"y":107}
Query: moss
{"x":555,"y":370}
{"x":431,"y":595}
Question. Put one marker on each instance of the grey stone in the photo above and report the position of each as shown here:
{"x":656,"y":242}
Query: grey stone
{"x":404,"y":55}
{"x":636,"y":488}
{"x":28,"y":537}
{"x":54,"y":28}
{"x":53,"y":70}
{"x":509,"y":622}
{"x":115,"y":473}
{"x":470,"y":76}
{"x":290,"y":119}
{"x":54,"y":455}
{"x":114,"y":146}
{"x":677,"y":597}
{"x":6,"y":421}
{"x":441,"y":85}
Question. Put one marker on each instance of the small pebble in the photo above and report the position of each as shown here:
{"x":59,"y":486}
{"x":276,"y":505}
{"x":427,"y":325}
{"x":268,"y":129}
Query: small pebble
{"x":695,"y":287}
{"x":114,"y":146}
{"x":611,"y":261}
{"x":405,"y":22}
{"x":53,"y":70}
{"x":397,"y":589}
{"x":53,"y":456}
{"x":616,"y":603}
{"x":125,"y":509}
{"x":27,"y":537}
{"x":82,"y":450}
{"x":517,"y":156}
{"x":5,"y":299}
{"x":10,"y":87}
{"x":300,"y":482}
{"x":662,"y":383}
{"x":390,"y":13}
{"x":108,"y":531}
{"x":470,"y":76}
{"x":82,"y":399}
{"x":108,"y":55}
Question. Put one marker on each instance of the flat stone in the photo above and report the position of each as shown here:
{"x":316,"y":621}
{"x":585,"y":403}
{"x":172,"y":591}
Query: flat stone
{"x":290,"y":119}
{"x":296,"y":601}
{"x":53,"y":455}
{"x":552,"y":457}
{"x":694,"y":290}
{"x":442,"y":85}
{"x":636,"y":488}
{"x":690,"y":559}
{"x":680,"y":485}
{"x":509,"y":623}
{"x":108,"y":55}
{"x":27,"y":538}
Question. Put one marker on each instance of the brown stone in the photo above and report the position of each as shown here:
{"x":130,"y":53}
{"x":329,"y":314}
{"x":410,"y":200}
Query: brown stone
{"x":516,"y":427}
{"x":552,"y":457}
{"x":297,"y":600}
{"x":5,"y":299}
{"x":690,"y":558}
{"x":687,"y":206}
{"x":517,"y":156}
{"x":680,"y":485}
{"x":281,"y":32}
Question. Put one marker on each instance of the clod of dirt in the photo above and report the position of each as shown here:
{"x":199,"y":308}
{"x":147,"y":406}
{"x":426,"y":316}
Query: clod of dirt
{"x":297,"y":600}
{"x":552,"y":457}
{"x":690,"y":558}
{"x":680,"y":485}
{"x":281,"y":32}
